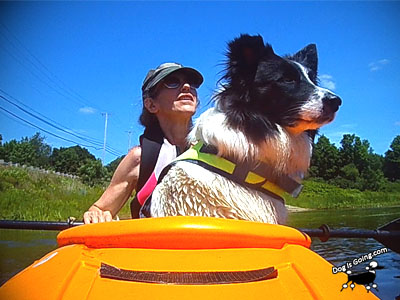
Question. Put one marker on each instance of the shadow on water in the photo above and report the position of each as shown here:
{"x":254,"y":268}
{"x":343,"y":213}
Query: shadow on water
{"x":20,"y":248}
{"x":342,"y":251}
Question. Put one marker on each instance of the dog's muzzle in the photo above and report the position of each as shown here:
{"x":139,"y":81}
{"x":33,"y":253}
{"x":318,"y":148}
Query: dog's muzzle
{"x":331,"y":104}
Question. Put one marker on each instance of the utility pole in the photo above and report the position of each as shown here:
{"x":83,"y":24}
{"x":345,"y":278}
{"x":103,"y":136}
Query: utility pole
{"x":129,"y":139}
{"x":105,"y":136}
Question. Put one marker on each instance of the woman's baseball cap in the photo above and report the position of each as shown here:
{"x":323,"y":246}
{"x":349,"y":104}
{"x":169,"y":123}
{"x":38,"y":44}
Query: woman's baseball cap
{"x":155,"y":76}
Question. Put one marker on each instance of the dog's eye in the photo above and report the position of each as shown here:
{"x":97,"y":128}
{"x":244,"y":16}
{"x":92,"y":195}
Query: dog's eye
{"x":288,"y":80}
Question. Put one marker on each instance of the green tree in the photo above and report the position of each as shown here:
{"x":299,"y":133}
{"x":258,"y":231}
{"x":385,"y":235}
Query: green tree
{"x":350,"y":172}
{"x":17,"y":152}
{"x":391,"y":166}
{"x":69,"y":160}
{"x":356,"y":155}
{"x":92,"y":172}
{"x":29,"y":151}
{"x":371,"y":179}
{"x":354,"y":151}
{"x":325,"y":159}
{"x":41,"y":149}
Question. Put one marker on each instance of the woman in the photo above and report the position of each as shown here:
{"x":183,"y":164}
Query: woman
{"x":169,"y":102}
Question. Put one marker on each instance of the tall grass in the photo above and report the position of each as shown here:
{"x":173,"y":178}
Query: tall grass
{"x":30,"y":195}
{"x":321,"y":195}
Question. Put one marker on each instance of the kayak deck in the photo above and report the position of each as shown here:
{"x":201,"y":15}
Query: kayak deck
{"x":196,"y":258}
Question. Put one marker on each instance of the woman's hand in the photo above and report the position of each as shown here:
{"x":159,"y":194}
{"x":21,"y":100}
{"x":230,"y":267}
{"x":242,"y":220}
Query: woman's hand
{"x":118,"y":192}
{"x":96,"y":215}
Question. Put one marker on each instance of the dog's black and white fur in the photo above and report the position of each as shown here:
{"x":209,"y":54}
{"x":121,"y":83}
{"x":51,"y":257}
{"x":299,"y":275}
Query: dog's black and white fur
{"x":268,"y":110}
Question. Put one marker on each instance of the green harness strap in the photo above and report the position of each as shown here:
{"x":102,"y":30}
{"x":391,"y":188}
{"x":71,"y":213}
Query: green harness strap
{"x":258,"y":178}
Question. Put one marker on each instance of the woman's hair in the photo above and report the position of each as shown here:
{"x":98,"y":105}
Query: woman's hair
{"x":147,"y":118}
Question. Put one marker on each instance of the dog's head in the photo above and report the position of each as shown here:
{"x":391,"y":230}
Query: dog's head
{"x":262,"y":89}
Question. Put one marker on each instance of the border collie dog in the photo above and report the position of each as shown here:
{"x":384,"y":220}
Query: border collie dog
{"x":264,"y":120}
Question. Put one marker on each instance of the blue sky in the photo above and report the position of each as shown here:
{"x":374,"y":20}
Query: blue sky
{"x":69,"y":62}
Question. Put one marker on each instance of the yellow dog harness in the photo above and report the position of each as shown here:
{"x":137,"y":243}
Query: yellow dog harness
{"x":258,"y":178}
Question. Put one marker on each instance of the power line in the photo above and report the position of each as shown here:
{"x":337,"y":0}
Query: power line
{"x":52,"y":81}
{"x":44,"y":130}
{"x":53,"y":134}
{"x":57,"y":83}
{"x":44,"y":121}
{"x":23,"y":56}
{"x":15,"y":120}
{"x":62,"y":94}
{"x":68,"y":131}
{"x":64,"y":129}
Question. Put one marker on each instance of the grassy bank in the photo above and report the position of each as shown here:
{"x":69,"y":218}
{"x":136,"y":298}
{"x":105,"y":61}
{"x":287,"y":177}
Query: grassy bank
{"x":29,"y":195}
{"x":320,"y":195}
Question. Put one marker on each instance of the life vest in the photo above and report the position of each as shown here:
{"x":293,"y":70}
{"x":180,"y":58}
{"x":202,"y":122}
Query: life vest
{"x":258,"y":178}
{"x":152,"y":142}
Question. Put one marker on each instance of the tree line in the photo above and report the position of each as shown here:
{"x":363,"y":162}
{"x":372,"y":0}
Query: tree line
{"x":352,"y":165}
{"x":73,"y":160}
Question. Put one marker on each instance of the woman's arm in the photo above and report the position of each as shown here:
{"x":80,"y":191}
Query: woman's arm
{"x":118,"y":192}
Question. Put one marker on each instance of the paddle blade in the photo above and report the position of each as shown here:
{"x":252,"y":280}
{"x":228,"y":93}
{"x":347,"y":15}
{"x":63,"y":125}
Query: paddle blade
{"x":392,"y":226}
{"x":393,"y":241}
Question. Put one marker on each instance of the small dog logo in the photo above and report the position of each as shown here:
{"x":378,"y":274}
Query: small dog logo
{"x":366,"y":278}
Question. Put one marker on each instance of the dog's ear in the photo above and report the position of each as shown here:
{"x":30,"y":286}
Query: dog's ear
{"x":308,"y":57}
{"x":246,"y":50}
{"x":244,"y":54}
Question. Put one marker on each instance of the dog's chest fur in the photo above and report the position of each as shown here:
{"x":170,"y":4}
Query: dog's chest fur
{"x":190,"y":190}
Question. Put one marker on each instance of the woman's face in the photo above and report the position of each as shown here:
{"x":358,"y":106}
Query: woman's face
{"x":175,"y":96}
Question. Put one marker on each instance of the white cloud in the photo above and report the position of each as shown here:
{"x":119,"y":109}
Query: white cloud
{"x":335,"y":133}
{"x":349,"y":126}
{"x":377,"y":65}
{"x":397,"y":123}
{"x":327,"y":82}
{"x":87,"y":110}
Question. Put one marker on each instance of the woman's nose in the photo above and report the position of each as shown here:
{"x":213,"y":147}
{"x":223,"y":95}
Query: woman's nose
{"x":186,"y":86}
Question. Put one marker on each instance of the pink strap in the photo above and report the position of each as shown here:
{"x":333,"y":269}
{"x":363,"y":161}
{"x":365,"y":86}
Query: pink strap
{"x":166,"y":155}
{"x":147,"y":189}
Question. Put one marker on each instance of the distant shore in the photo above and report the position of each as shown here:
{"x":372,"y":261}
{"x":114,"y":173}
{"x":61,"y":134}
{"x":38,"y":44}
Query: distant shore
{"x":320,"y":195}
{"x":30,"y":195}
{"x":292,"y":208}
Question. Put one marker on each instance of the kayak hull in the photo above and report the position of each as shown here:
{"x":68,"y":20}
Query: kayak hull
{"x":194,"y":258}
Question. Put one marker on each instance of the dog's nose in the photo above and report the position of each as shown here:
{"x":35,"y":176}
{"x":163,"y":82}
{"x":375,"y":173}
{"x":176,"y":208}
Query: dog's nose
{"x":332,"y":101}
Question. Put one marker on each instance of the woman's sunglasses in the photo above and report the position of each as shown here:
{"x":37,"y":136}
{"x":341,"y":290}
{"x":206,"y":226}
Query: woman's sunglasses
{"x":172,"y":82}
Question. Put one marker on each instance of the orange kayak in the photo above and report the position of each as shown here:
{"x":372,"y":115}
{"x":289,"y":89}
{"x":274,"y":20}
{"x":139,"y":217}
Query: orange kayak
{"x":181,"y":258}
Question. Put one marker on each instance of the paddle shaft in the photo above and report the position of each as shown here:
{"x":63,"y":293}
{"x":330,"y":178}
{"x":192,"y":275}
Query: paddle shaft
{"x":349,"y":233}
{"x":389,"y":237}
{"x":322,"y":233}
{"x":37,"y":225}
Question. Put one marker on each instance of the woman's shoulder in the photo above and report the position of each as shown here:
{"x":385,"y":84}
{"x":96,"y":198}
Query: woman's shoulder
{"x":134,"y":155}
{"x":128,"y":168}
{"x":131,"y":160}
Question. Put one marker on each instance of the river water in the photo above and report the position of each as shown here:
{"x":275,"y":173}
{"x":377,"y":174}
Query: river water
{"x":342,"y":251}
{"x":19,"y":248}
